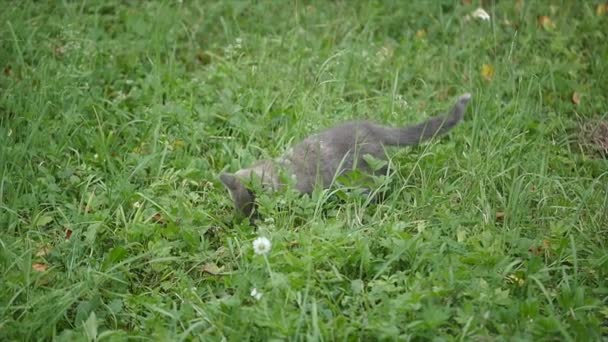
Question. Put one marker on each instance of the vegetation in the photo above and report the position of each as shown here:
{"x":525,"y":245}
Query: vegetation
{"x":116,"y":118}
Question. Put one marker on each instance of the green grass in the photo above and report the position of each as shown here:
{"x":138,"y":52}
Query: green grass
{"x":116,"y":118}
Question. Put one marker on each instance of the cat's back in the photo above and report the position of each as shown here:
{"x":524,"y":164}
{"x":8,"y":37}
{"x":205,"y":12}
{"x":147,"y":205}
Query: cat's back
{"x":344,"y":134}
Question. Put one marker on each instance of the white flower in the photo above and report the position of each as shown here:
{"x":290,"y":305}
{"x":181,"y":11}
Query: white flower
{"x":257,"y":295}
{"x":480,"y":13}
{"x":261,"y":245}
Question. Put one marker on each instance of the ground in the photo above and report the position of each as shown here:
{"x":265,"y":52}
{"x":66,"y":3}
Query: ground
{"x":117,"y":117}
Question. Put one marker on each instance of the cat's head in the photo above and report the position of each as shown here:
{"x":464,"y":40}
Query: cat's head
{"x":260,"y":176}
{"x":244,"y":199}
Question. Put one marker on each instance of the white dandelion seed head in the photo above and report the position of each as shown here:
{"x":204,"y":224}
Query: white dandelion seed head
{"x":261,"y":245}
{"x":257,"y":295}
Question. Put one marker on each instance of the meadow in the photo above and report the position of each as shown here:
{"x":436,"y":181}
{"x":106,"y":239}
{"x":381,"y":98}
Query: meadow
{"x":116,"y":118}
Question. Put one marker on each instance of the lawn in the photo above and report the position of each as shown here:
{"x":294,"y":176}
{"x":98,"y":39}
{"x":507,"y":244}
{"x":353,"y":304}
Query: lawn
{"x":116,"y":118}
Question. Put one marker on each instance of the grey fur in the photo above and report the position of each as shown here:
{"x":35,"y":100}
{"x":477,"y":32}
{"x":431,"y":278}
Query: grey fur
{"x":321,"y":157}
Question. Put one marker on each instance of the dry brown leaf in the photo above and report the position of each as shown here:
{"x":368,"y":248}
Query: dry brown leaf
{"x":601,"y":9}
{"x":576,"y":98}
{"x":541,"y":249}
{"x":203,"y":57}
{"x":545,"y":22}
{"x":178,"y":144}
{"x":500,"y":216}
{"x":158,"y":218}
{"x":39,"y":267}
{"x":59,"y":51}
{"x":212,"y":269}
{"x":487,"y":71}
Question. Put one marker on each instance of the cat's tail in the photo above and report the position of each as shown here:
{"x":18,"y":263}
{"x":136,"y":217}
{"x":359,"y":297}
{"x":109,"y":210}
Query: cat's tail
{"x":435,"y":126}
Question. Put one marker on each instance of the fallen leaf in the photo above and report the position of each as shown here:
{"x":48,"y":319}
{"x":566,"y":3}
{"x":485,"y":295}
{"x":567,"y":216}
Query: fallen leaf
{"x":544,"y":247}
{"x":487,"y":71}
{"x":601,"y":9}
{"x":43,"y":251}
{"x":421,"y":33}
{"x":212,"y":269}
{"x":480,"y":13}
{"x":536,"y":250}
{"x":178,"y":144}
{"x":500,"y":216}
{"x":44,"y":220}
{"x":576,"y":98}
{"x":158,"y":218}
{"x":39,"y":267}
{"x":68,"y":233}
{"x":59,"y":51}
{"x":545,"y":22}
{"x":461,"y":235}
{"x":514,"y":279}
{"x":203,"y":57}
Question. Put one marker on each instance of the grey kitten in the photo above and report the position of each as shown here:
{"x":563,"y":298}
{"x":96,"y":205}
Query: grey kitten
{"x":322,"y":157}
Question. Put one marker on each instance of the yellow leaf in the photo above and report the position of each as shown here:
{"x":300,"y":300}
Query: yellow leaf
{"x":500,"y":216}
{"x":576,"y":98}
{"x":212,"y":269}
{"x":177,"y":143}
{"x":39,"y":267}
{"x":545,"y":22}
{"x":487,"y":71}
{"x":461,"y":235}
{"x":43,"y":251}
{"x":601,"y":9}
{"x":420,"y":33}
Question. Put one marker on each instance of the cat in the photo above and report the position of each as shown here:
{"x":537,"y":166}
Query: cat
{"x":320,"y":158}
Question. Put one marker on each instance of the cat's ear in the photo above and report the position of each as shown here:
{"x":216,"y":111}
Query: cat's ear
{"x":230,"y":181}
